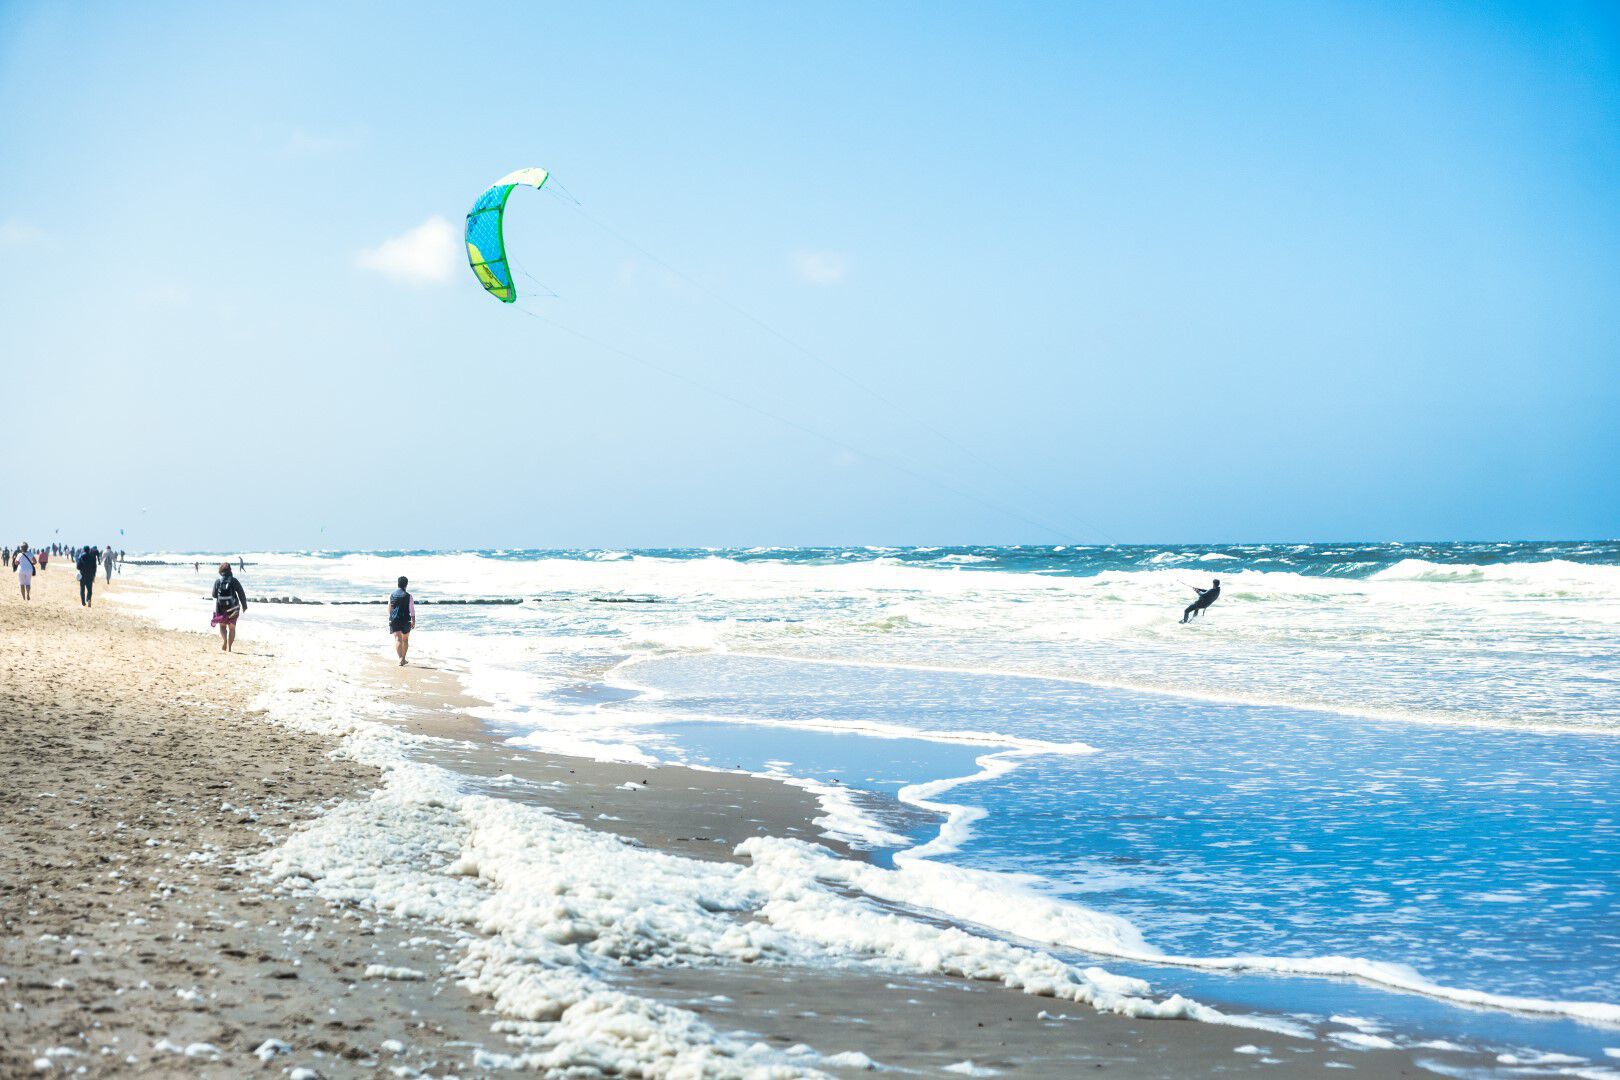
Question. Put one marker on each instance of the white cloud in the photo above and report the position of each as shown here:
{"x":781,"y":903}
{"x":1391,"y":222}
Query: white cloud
{"x":821,"y":267}
{"x":430,"y":254}
{"x":16,"y":234}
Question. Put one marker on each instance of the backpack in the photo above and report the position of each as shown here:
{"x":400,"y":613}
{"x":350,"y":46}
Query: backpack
{"x":225,"y":600}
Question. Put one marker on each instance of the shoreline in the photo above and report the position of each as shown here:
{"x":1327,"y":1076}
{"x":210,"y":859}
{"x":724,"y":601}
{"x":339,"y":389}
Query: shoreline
{"x":784,"y":1003}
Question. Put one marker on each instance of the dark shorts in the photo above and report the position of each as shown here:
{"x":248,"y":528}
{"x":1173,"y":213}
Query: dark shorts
{"x":399,"y":628}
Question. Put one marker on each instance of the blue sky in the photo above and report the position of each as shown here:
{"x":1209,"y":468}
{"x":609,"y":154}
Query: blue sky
{"x":1155,"y":272}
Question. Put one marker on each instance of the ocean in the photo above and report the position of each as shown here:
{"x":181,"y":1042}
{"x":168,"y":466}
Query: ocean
{"x":1374,"y":785}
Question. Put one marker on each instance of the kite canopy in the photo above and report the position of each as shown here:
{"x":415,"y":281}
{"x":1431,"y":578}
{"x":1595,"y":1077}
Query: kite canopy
{"x":486,"y":241}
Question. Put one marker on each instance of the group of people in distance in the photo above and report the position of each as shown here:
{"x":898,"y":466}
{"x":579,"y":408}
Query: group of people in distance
{"x":230,"y":600}
{"x":87,"y":561}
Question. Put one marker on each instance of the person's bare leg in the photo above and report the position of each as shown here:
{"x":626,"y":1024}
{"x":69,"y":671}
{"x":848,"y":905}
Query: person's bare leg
{"x":222,"y":645}
{"x":230,"y":640}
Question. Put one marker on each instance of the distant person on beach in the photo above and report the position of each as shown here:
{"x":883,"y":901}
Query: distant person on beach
{"x":401,"y":618}
{"x":44,"y":560}
{"x":86,"y":564}
{"x":240,"y":564}
{"x":25,"y":570}
{"x":1206,"y":597}
{"x":107,"y":561}
{"x":230,"y":600}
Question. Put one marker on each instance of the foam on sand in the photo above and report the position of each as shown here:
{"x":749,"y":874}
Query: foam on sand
{"x":549,"y":908}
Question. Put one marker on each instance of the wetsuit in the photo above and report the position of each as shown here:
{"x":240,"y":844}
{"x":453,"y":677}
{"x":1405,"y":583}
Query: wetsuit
{"x":1206,"y":597}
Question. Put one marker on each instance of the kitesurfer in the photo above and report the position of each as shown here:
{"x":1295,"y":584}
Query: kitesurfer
{"x":1206,"y":597}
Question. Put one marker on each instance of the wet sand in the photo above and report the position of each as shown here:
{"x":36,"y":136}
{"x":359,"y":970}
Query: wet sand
{"x":136,"y":943}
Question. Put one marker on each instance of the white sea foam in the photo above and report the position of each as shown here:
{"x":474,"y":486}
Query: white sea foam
{"x":1281,"y":639}
{"x":1117,"y":614}
{"x":1361,"y":1040}
{"x":544,"y":903}
{"x":1193,"y":693}
{"x":551,"y":741}
{"x":650,"y":719}
{"x":959,"y":818}
{"x":842,"y":818}
{"x":1544,"y":572}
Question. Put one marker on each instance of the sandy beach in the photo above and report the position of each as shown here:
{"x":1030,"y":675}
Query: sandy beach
{"x":143,"y":935}
{"x":134,"y":943}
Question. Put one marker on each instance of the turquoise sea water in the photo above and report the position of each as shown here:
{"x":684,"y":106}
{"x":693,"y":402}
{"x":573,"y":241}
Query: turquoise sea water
{"x":1399,"y":755}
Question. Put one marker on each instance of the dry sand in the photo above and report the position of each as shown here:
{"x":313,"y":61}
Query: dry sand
{"x":138,"y":778}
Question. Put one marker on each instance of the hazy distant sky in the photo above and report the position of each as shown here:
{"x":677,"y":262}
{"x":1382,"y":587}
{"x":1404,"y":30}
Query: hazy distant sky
{"x":1157,"y":272}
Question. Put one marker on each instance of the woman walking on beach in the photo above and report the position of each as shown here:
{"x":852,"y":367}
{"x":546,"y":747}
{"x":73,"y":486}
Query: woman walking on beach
{"x":25,"y":570}
{"x":230,"y":600}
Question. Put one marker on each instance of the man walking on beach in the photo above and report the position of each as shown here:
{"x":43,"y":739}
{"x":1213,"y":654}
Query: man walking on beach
{"x":107,"y":561}
{"x":401,"y":618}
{"x":1206,"y":597}
{"x":86,"y":564}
